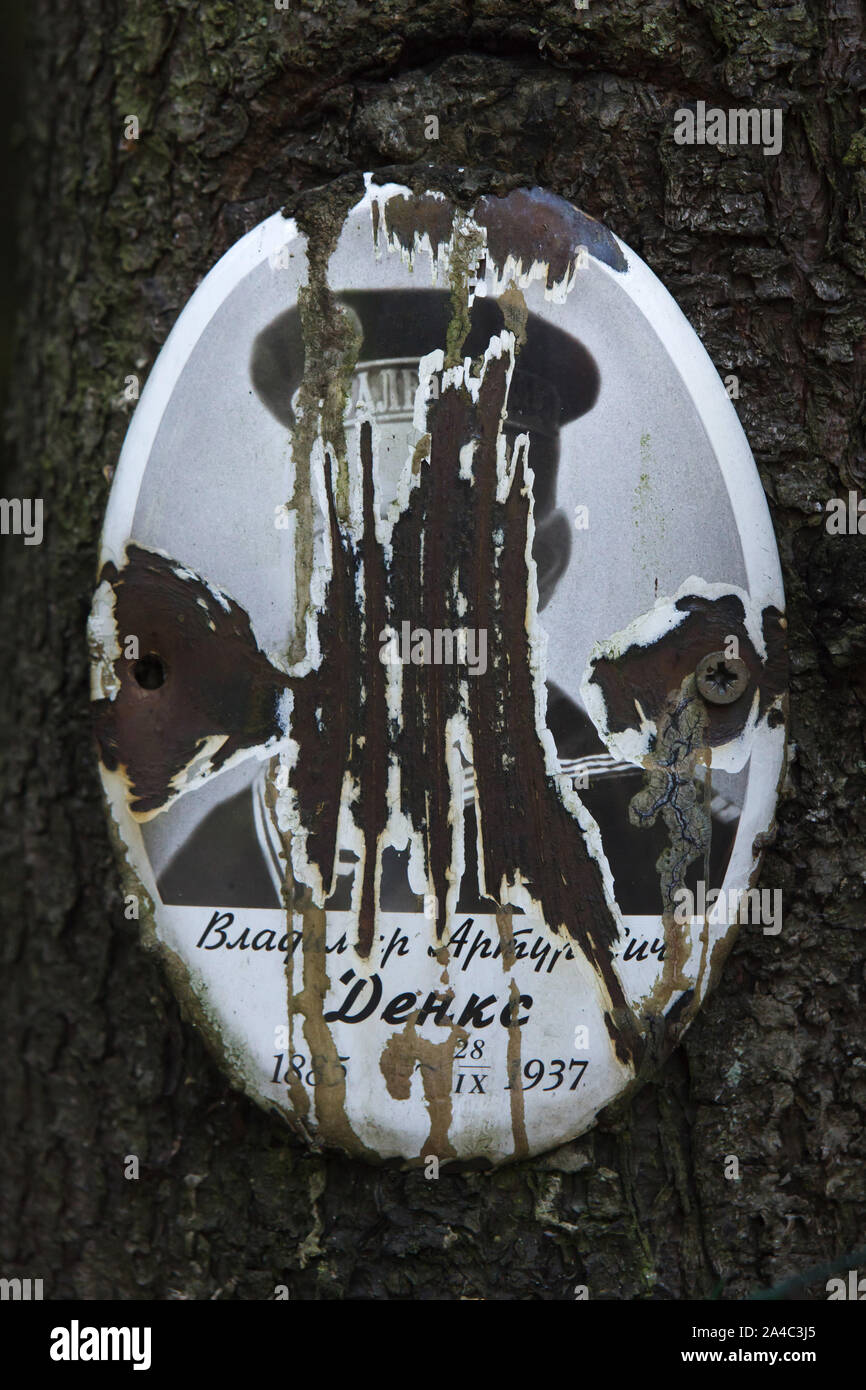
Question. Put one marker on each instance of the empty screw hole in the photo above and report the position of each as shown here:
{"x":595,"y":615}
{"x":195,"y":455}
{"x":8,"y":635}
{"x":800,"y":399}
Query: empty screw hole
{"x":149,"y":671}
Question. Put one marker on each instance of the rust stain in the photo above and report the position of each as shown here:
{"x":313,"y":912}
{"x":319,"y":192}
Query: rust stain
{"x":332,"y":340}
{"x":515,"y":315}
{"x":401,"y":1055}
{"x":514,"y":1072}
{"x":374,"y":758}
{"x":505,"y":927}
{"x":324,"y":716}
{"x":215,"y":680}
{"x":329,"y":1080}
{"x":525,"y":826}
{"x":427,"y":544}
{"x":534,"y":226}
{"x":297,"y":1093}
{"x":408,"y":218}
{"x":724,"y":945}
{"x":530,"y":225}
{"x":644,"y":675}
{"x":704,"y":937}
{"x":514,"y":1054}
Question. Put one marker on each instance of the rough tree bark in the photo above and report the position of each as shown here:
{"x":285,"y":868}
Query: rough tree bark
{"x":242,"y":108}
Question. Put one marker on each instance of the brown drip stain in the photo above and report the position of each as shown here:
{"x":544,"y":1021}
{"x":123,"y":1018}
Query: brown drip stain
{"x":406,"y":218}
{"x":297,"y":1093}
{"x":331,"y":344}
{"x":373,"y":763}
{"x":534,"y":226}
{"x":532,"y":832}
{"x":514,"y":1072}
{"x":513,"y":1055}
{"x":329,"y":1080}
{"x":529,"y":224}
{"x":505,"y":927}
{"x":401,"y":1054}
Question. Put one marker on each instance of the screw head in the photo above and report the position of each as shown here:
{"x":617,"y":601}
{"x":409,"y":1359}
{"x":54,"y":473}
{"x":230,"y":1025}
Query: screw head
{"x":721,"y":679}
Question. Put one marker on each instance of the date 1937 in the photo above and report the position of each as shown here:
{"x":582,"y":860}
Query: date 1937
{"x":468,"y":1064}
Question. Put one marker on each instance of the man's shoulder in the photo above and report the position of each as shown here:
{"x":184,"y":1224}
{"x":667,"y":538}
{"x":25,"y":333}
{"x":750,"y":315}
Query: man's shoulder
{"x":221,"y":862}
{"x":573,"y":731}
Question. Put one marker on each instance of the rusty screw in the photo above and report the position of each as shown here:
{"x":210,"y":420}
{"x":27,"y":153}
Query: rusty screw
{"x":721,"y":679}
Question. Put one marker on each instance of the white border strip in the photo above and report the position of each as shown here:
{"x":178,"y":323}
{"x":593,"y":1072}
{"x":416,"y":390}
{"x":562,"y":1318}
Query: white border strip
{"x":253,"y":248}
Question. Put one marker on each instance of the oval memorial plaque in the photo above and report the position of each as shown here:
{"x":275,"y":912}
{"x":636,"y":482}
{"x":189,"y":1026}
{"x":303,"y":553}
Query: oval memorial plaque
{"x":438,"y":671}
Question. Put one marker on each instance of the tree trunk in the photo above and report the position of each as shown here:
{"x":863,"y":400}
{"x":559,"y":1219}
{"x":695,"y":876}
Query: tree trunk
{"x":243,"y":107}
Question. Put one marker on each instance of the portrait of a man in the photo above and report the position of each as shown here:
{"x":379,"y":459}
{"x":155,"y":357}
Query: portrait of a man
{"x":233,"y":856}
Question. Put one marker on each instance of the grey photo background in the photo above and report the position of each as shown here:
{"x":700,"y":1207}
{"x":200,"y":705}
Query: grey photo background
{"x":244,"y":109}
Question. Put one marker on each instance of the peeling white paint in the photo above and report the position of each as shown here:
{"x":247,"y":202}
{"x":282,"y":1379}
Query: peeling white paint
{"x":104,"y":646}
